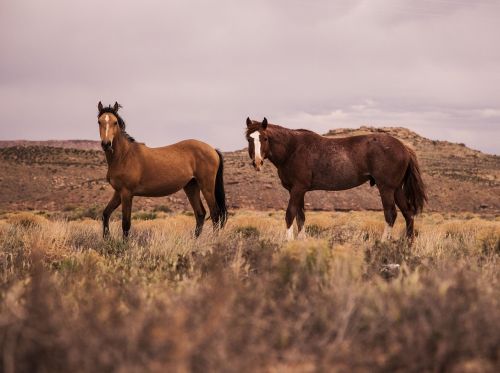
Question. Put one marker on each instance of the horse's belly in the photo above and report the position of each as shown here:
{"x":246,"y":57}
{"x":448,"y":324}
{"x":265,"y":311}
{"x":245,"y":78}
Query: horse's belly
{"x":336,"y":181}
{"x":157,"y":192}
{"x":160,"y":187}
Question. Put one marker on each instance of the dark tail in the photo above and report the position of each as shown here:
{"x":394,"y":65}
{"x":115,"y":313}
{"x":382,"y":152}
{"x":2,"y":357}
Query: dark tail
{"x":413,"y":185}
{"x":220,"y":195}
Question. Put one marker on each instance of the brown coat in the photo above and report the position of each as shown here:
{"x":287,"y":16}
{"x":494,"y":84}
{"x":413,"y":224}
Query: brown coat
{"x":307,"y":161}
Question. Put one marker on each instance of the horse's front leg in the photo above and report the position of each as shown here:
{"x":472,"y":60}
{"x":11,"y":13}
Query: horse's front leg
{"x":126,"y":198}
{"x":294,"y":205}
{"x":112,"y":205}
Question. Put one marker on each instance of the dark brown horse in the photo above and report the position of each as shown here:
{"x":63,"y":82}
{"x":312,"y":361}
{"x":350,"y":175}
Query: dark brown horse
{"x":137,"y":170}
{"x":307,"y":161}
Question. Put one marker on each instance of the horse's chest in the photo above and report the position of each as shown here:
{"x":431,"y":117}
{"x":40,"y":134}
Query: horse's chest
{"x":117,"y":181}
{"x":286,"y":183}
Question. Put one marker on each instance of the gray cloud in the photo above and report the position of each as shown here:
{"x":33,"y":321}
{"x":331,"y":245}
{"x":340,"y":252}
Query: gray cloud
{"x":187,"y":69}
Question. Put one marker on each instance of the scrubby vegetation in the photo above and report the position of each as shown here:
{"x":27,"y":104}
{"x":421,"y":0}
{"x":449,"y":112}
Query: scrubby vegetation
{"x":246,"y":300}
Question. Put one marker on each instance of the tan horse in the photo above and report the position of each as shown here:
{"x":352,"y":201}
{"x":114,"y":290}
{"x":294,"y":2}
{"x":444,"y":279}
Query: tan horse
{"x":137,"y":170}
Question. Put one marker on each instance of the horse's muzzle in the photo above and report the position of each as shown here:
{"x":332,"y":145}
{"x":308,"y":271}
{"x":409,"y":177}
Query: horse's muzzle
{"x":106,"y":145}
{"x":257,"y":165}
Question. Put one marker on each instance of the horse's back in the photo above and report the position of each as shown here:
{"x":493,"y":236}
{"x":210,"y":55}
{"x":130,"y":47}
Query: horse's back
{"x":199,"y":155}
{"x":183,"y":151}
{"x":378,"y":145}
{"x":187,"y":146}
{"x":383,"y":139}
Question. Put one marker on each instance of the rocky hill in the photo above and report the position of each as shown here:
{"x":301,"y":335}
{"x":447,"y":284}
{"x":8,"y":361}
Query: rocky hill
{"x":67,"y":144}
{"x":65,"y":175}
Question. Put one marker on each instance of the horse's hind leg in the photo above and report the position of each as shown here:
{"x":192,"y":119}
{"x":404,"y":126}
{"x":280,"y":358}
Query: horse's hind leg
{"x":301,"y":218}
{"x":192,"y":190}
{"x":112,"y":205}
{"x":390,"y":213}
{"x":208,"y":190}
{"x":292,"y":211}
{"x":406,"y":211}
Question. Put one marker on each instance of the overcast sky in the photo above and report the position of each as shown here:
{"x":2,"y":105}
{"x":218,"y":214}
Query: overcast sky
{"x":197,"y":69}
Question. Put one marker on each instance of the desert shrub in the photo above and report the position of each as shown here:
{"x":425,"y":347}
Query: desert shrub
{"x":144,"y":215}
{"x":143,"y":237}
{"x":92,"y":212}
{"x":66,"y":264}
{"x":380,"y":255}
{"x":298,"y":260}
{"x":247,"y":232}
{"x":315,"y":230}
{"x":162,"y":208}
{"x":15,"y":254}
{"x":84,"y":237}
{"x":27,"y":220}
{"x":258,"y":256}
{"x":489,"y":240}
{"x":113,"y":247}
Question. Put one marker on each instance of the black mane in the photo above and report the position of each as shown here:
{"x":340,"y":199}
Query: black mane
{"x":121,"y":122}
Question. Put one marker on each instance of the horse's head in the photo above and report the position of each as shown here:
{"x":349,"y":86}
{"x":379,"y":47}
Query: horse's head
{"x":110,"y":124}
{"x":258,"y":144}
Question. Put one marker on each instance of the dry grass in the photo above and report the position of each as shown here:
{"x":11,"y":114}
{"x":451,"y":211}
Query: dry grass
{"x":246,"y":300}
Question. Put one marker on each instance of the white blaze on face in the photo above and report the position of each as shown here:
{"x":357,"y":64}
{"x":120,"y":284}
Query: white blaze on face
{"x":106,"y":118}
{"x":256,"y":142}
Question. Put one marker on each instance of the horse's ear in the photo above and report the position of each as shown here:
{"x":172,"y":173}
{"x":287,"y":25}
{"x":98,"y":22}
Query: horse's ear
{"x":264,"y":123}
{"x":99,"y":106}
{"x":249,"y":122}
{"x":116,"y":106}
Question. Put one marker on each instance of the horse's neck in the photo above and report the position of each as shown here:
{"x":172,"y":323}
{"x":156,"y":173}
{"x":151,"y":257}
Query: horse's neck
{"x":121,"y":147}
{"x":281,"y":145}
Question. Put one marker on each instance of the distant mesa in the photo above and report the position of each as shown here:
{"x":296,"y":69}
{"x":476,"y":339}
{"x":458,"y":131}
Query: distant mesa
{"x":67,"y":144}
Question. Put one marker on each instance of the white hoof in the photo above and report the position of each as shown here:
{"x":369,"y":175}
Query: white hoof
{"x":386,"y":236}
